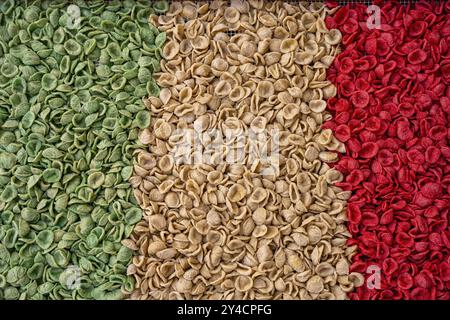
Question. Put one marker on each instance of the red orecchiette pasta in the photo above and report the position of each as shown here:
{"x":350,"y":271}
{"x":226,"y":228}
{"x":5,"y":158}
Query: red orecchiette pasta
{"x":392,"y":112}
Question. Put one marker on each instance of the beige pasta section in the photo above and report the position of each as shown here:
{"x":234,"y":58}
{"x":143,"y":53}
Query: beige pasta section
{"x":273,"y":227}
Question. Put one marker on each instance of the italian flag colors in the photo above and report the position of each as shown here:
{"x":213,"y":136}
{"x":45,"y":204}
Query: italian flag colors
{"x":103,"y":197}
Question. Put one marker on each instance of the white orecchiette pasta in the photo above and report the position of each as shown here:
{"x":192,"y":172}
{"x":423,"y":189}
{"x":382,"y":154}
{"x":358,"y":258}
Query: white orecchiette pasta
{"x":239,"y":201}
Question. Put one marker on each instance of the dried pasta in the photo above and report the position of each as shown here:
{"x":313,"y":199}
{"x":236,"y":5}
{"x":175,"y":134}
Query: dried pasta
{"x":251,"y":228}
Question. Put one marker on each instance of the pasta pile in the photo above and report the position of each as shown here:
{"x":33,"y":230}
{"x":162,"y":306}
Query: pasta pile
{"x":232,"y":78}
{"x":72,"y":81}
{"x":242,"y":149}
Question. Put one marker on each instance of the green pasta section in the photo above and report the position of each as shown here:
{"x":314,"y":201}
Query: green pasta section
{"x":72,"y":78}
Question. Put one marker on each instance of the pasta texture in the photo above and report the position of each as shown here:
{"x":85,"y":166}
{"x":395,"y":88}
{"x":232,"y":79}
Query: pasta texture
{"x":232,"y":78}
{"x":392,"y":111}
{"x":72,"y":80}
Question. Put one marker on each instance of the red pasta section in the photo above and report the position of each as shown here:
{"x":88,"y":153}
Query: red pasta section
{"x":392,"y":111}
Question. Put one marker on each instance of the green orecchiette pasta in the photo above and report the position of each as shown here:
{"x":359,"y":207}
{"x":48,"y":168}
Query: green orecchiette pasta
{"x":71,"y":89}
{"x":49,"y":82}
